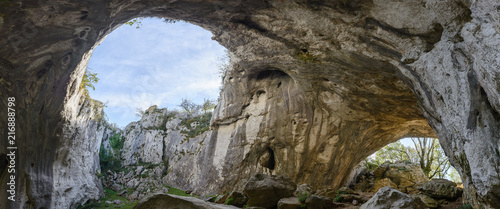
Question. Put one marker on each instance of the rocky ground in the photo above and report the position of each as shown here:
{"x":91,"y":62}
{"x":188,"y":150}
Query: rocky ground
{"x":391,"y":185}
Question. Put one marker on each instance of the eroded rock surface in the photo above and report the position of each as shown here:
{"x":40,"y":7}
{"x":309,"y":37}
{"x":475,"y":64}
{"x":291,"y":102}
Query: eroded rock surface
{"x":168,"y":201}
{"x":388,"y":197}
{"x":319,"y":85}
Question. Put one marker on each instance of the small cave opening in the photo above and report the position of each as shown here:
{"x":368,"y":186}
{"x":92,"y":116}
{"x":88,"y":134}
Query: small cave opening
{"x":267,"y":159}
{"x":272,"y":162}
{"x":274,"y":73}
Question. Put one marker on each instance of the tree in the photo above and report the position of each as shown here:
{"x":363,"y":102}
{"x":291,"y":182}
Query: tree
{"x":425,"y":152}
{"x":208,"y":105}
{"x":190,"y":107}
{"x":88,"y":81}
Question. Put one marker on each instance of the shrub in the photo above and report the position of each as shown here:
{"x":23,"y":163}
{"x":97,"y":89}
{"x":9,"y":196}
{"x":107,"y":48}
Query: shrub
{"x":465,"y":206}
{"x":303,"y":197}
{"x":203,"y":125}
{"x":229,"y":201}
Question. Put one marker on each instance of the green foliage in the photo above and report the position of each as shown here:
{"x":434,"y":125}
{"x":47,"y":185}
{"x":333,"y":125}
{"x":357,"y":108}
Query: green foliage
{"x":465,"y":206}
{"x":175,"y":191}
{"x":305,"y":56}
{"x":110,"y":195}
{"x":229,"y":201}
{"x":136,"y":21}
{"x":88,"y":81}
{"x":108,"y":160}
{"x":303,"y":197}
{"x":338,"y":198}
{"x":203,"y":124}
{"x":116,"y":141}
{"x":208,"y":105}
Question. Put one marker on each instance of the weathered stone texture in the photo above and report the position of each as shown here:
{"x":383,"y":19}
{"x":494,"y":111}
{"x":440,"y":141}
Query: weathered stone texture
{"x":318,"y":84}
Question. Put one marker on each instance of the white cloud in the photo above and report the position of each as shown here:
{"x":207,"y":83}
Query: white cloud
{"x":157,"y":64}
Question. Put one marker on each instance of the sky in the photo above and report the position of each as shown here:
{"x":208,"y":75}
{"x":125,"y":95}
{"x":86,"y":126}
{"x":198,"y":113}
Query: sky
{"x":157,"y":64}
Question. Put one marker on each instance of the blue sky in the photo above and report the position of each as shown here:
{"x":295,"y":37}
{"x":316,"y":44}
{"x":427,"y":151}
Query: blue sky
{"x":157,"y":64}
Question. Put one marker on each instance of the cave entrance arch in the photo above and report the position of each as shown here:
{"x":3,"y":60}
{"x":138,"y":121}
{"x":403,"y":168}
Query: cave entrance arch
{"x":359,"y":67}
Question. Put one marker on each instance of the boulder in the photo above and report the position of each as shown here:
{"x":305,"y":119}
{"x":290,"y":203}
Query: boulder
{"x":441,"y":189}
{"x":265,"y":191}
{"x":237,"y":199}
{"x":289,"y":203}
{"x":388,"y":197}
{"x":168,"y":201}
{"x":221,"y":198}
{"x":328,"y":192}
{"x":383,"y":183}
{"x":364,"y":186}
{"x":319,"y":202}
{"x":354,"y":197}
{"x":357,"y":174}
{"x":380,"y":171}
{"x":303,"y":189}
{"x":405,"y":174}
{"x":428,"y":201}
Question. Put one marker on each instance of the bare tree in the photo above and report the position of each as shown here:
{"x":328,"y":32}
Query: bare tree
{"x":190,"y":107}
{"x":425,"y":152}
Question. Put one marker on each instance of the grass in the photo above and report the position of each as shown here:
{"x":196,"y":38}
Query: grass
{"x":110,"y":195}
{"x":175,"y":191}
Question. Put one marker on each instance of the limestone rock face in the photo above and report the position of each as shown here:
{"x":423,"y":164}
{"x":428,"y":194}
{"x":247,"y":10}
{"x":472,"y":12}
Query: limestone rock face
{"x":319,"y":85}
{"x":78,"y":161}
{"x":388,"y":197}
{"x":158,"y":151}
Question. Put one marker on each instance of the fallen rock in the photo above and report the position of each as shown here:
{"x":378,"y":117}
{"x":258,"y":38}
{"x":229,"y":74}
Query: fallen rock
{"x":380,"y":171}
{"x":319,"y":202}
{"x":346,"y":190}
{"x":289,"y":203}
{"x":168,"y":201}
{"x":221,"y":199}
{"x":428,"y":201}
{"x":388,"y":197}
{"x":383,"y":183}
{"x":364,"y":186}
{"x":237,"y":199}
{"x":405,"y":174}
{"x":265,"y":191}
{"x":117,"y":202}
{"x":441,"y":189}
{"x":328,"y":192}
{"x":354,"y":197}
{"x":122,"y":193}
{"x":303,"y":189}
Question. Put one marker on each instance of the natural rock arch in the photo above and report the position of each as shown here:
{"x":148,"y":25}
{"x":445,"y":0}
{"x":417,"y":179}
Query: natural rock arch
{"x":355,"y":75}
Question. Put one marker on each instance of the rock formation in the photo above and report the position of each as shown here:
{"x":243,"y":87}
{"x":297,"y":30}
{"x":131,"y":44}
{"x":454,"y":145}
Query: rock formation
{"x":316,"y":86}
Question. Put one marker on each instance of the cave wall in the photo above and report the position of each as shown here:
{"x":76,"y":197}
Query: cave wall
{"x":355,"y":75}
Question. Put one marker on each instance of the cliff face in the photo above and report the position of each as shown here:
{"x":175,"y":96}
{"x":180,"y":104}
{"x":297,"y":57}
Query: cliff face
{"x":316,"y":86}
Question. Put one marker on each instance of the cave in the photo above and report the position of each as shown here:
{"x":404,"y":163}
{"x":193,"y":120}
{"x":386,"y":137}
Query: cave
{"x":356,"y":75}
